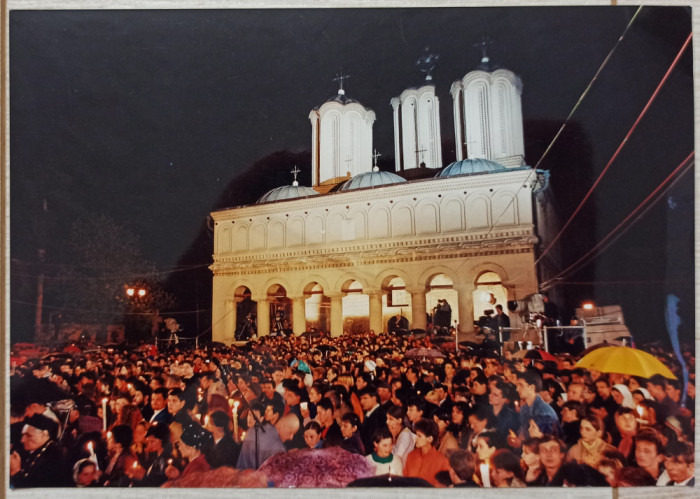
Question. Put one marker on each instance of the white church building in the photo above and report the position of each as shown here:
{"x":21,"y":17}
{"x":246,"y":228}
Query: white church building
{"x":361,"y":245}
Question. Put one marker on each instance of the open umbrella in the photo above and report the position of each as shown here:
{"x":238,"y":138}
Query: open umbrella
{"x":624,"y":360}
{"x":390,"y":481}
{"x":330,"y":467}
{"x":222,"y":477}
{"x":424,"y":353}
{"x":40,"y":390}
{"x":535,"y":353}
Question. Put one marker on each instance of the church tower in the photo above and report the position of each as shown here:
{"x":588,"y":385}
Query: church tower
{"x":488,"y":116}
{"x":341,"y":139}
{"x":417,"y":129}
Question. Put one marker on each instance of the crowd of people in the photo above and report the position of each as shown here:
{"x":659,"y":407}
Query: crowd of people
{"x":453,"y":417}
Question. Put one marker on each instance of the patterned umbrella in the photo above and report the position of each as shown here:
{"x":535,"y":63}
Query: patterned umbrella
{"x":220,"y":478}
{"x":331,"y":467}
{"x":424,"y":353}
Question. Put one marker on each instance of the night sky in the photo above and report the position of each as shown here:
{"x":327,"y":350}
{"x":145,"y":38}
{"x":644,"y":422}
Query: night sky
{"x":150,"y":116}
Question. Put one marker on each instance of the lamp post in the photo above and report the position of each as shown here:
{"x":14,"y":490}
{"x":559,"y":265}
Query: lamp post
{"x":134,"y":293}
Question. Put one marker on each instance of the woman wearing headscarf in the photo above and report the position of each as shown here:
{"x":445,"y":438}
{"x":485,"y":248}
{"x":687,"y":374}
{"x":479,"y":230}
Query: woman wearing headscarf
{"x":623,"y":396}
{"x":85,"y":473}
{"x":195,"y":442}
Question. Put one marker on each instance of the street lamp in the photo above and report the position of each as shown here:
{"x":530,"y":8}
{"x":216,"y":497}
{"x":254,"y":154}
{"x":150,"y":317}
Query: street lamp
{"x":131,"y":292}
{"x":587,"y":305}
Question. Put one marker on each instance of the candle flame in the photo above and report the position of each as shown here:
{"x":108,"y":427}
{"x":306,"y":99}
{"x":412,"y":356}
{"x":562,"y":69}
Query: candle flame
{"x":236,"y":404}
{"x":170,"y":462}
{"x":243,"y":436}
{"x":640,"y":411}
{"x":206,"y":420}
{"x":89,"y":446}
{"x":104,"y":400}
{"x":135,"y":465}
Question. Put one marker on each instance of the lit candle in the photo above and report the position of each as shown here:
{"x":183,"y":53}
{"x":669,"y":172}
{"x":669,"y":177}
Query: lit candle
{"x":640,"y":411}
{"x":485,"y":478}
{"x":135,"y":465}
{"x":242,"y":436}
{"x":199,"y":394}
{"x":93,"y":456}
{"x":206,"y":420}
{"x":199,"y":417}
{"x":235,"y":420}
{"x":104,"y":414}
{"x":129,"y":386}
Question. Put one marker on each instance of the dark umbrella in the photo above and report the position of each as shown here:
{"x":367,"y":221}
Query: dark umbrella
{"x":31,"y":390}
{"x":390,"y":481}
{"x":330,"y":467}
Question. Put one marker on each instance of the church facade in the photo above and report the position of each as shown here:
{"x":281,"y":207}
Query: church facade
{"x":362,"y":246}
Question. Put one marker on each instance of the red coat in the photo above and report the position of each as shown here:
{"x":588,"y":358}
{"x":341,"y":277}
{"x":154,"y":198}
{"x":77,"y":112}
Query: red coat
{"x":426,"y":466}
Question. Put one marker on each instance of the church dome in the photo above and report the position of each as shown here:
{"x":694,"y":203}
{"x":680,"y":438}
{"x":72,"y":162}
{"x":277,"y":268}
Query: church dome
{"x":371,"y":179}
{"x":285,"y":192}
{"x":470,"y":167}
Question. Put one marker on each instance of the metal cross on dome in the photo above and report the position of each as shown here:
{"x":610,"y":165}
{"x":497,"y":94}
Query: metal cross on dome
{"x":375,"y":156}
{"x":485,"y":42}
{"x":341,"y":78}
{"x":295,"y":171}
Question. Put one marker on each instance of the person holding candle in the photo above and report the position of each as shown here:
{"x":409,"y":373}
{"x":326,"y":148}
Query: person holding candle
{"x":425,"y":461}
{"x":119,"y":441}
{"x":159,"y":453}
{"x":226,"y":450}
{"x":195,"y":444}
{"x":382,"y":459}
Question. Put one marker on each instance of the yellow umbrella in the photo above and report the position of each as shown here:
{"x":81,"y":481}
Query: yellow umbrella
{"x":624,"y":360}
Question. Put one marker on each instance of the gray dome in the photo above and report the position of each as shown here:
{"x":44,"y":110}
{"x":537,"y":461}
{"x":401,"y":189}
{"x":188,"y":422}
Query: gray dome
{"x":371,"y":179}
{"x":287,"y":192}
{"x":470,"y":167}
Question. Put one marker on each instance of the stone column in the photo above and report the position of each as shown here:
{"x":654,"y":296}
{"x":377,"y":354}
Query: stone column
{"x":298,"y":314}
{"x":418,"y":308}
{"x":230,"y":321}
{"x":465,"y":304}
{"x":375,"y":310}
{"x":336,"y":314}
{"x":263,"y":313}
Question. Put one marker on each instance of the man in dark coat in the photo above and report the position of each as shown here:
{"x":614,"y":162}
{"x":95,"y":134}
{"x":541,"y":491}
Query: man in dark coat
{"x":43,"y":466}
{"x":226,"y":450}
{"x":375,"y":415}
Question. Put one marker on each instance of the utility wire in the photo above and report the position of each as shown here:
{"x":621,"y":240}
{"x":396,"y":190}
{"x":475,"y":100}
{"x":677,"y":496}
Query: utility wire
{"x":617,"y":152}
{"x":622,"y":227}
{"x":104,"y":312}
{"x":568,"y":118}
